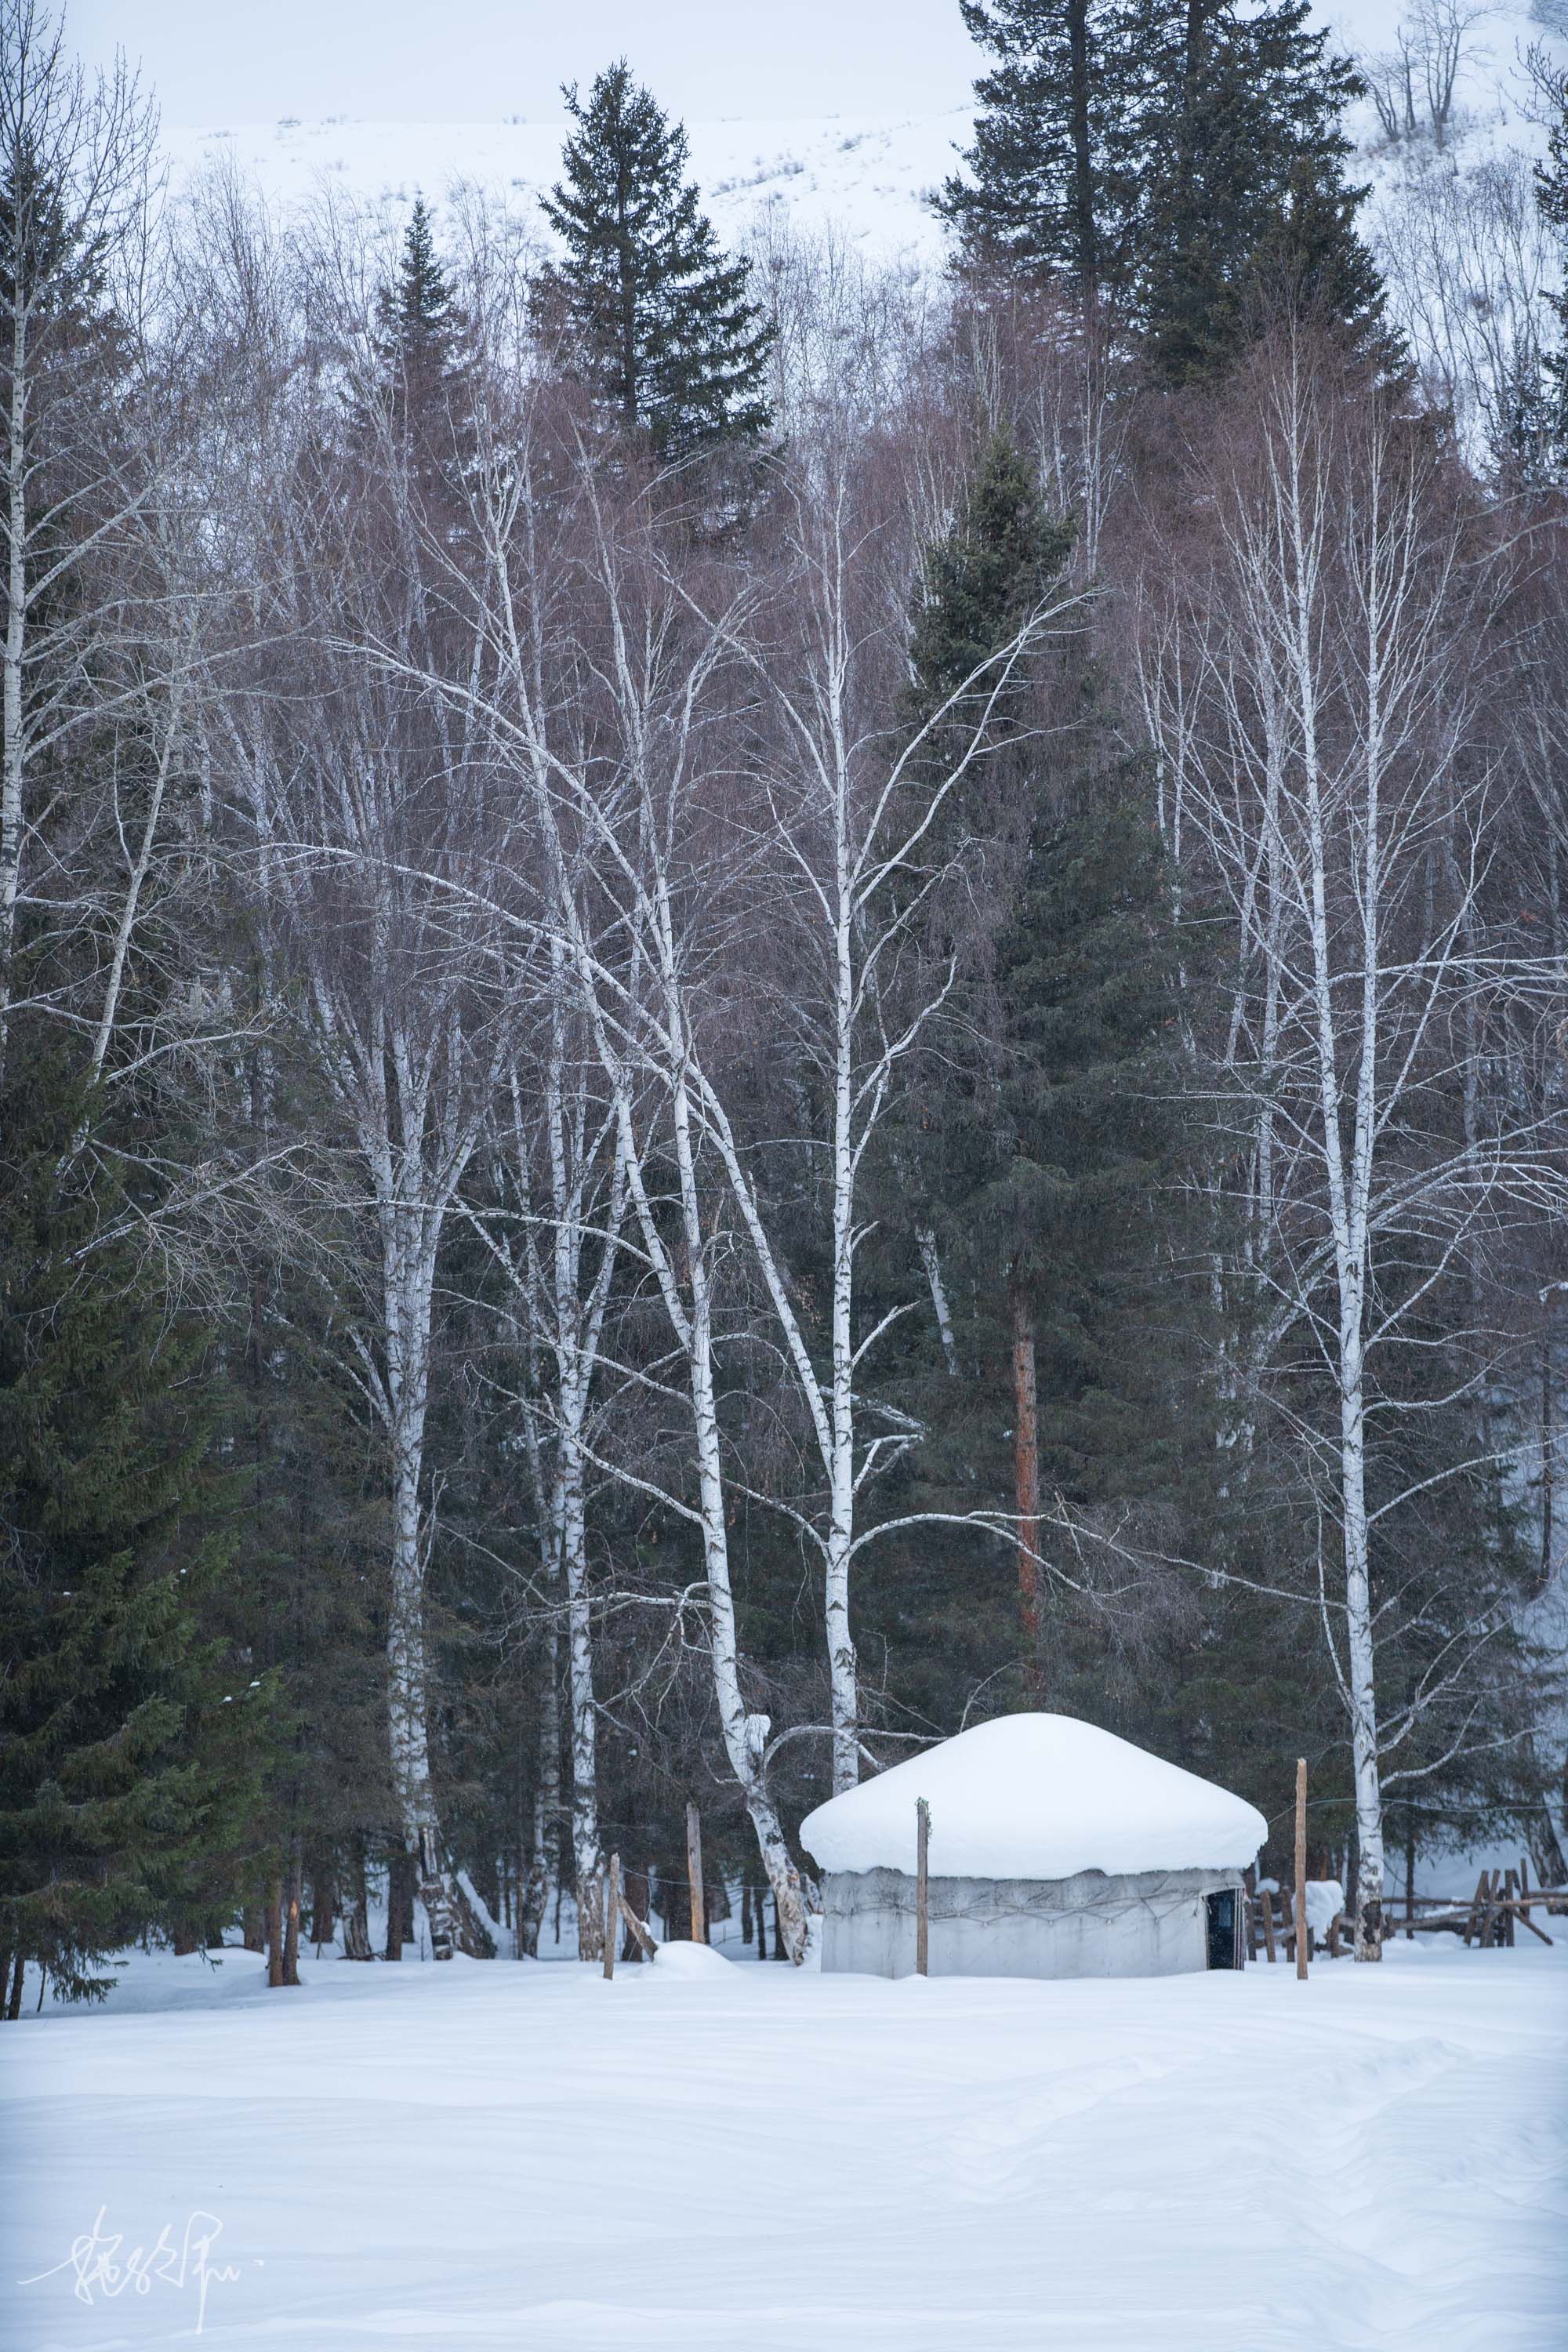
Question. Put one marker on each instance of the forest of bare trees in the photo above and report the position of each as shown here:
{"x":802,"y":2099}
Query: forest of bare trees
{"x":677,"y":1112}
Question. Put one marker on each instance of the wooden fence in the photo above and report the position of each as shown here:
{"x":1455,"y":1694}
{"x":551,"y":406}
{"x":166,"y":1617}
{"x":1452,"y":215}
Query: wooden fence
{"x":1489,"y":1920}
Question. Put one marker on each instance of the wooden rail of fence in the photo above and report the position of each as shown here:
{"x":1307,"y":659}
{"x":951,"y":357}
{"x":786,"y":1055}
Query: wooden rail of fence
{"x":1488,"y":1919}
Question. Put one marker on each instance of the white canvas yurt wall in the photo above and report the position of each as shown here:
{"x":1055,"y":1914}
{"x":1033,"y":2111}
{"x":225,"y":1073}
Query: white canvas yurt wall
{"x":1056,"y":1850}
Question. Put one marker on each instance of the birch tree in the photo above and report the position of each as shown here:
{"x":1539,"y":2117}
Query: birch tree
{"x":367,"y":814}
{"x":74,"y":151}
{"x":597,"y":705}
{"x":1318,"y":742}
{"x":560,"y":1174}
{"x":857,"y":841}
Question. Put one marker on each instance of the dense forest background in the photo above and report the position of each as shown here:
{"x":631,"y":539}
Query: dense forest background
{"x":747,"y":1009}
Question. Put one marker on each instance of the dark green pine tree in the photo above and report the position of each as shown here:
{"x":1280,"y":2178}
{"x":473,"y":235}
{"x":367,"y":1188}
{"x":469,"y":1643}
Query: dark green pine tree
{"x":424,"y":363}
{"x":1086,"y":1137}
{"x":1311,"y":267}
{"x":662,"y":321}
{"x":421,"y":332}
{"x":130,"y":1744}
{"x":1032,"y":1157}
{"x":1052,"y":183}
{"x":1245,"y":154}
{"x":1539,"y":396}
{"x":1182,"y":159}
{"x":1528,"y":432}
{"x":43,"y":258}
{"x":978,"y":585}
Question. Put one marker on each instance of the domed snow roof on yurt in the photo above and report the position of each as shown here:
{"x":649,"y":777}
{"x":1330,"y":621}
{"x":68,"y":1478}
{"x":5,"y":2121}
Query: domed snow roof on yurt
{"x":1036,"y":1797}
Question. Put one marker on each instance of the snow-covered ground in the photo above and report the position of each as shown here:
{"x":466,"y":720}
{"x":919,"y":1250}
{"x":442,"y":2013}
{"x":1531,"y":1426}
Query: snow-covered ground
{"x":704,"y":2155}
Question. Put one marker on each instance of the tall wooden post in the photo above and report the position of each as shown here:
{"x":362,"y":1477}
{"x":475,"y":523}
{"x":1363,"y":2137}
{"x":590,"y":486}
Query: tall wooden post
{"x":922,"y":1886}
{"x":694,"y":1874}
{"x":612,"y":1915}
{"x":1303,"y":1932}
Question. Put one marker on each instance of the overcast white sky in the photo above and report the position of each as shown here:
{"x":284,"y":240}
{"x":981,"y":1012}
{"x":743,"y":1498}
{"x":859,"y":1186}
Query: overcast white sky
{"x":217,"y":62}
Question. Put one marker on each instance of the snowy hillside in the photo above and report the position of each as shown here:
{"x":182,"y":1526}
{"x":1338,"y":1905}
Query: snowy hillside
{"x":864,"y":175}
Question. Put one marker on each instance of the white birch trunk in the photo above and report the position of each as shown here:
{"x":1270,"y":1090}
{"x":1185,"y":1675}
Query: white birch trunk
{"x":409,"y":1276}
{"x":690,"y":1317}
{"x":12,"y":750}
{"x":844,"y":1680}
{"x":931,"y":1265}
{"x":533,"y":1896}
{"x":742,"y":1745}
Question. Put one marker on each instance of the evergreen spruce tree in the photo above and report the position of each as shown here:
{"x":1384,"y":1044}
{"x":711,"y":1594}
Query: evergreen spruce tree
{"x":1540,"y":392}
{"x":423,"y":385}
{"x":1311,"y":266}
{"x":1528,"y":435}
{"x":662,"y":321}
{"x":1052,"y":184}
{"x":1182,"y":158}
{"x":1031,"y":1156}
{"x":1242,"y":126}
{"x":421,"y":332}
{"x":130,"y":1744}
{"x":1083,"y":973}
{"x":978,"y":585}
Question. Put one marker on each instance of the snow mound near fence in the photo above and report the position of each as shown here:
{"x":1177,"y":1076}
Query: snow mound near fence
{"x":691,"y":1960}
{"x":1325,"y":1901}
{"x":1036,"y":1796}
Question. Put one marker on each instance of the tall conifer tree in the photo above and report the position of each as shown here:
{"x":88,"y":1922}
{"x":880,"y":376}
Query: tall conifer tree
{"x":1052,"y":184}
{"x":1538,"y":426}
{"x":664,"y":324}
{"x":1242,"y":135}
{"x":1311,"y":266}
{"x":1182,"y":159}
{"x":132,"y":1744}
{"x":423,"y":384}
{"x":421,"y":334}
{"x":1036,"y":1165}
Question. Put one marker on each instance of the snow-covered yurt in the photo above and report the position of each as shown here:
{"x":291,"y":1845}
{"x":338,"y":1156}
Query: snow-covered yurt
{"x":1054,"y":1850}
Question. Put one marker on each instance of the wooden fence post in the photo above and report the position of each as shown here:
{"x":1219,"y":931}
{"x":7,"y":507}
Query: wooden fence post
{"x":694,"y":1874}
{"x":1472,"y":1924}
{"x":612,"y":1915}
{"x":922,"y":1886}
{"x":1303,"y":1932}
{"x":638,"y":1933}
